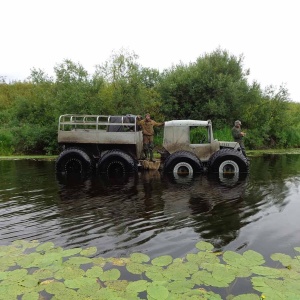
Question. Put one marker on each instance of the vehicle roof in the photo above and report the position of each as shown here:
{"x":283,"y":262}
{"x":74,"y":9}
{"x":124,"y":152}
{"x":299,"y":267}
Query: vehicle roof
{"x":187,"y":123}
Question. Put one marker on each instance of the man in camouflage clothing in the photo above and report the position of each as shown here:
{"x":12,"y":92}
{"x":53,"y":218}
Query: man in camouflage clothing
{"x":148,"y":132}
{"x":238,"y":135}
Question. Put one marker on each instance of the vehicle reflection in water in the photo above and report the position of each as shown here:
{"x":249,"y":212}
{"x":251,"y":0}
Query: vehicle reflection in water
{"x":151,"y":212}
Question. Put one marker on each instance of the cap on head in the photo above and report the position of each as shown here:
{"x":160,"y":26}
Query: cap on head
{"x":237,"y":122}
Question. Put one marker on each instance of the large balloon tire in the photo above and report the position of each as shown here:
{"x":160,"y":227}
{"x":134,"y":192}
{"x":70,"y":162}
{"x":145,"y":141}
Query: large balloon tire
{"x":228,"y":161}
{"x":117,"y":162}
{"x":74,"y":161}
{"x":183,"y":163}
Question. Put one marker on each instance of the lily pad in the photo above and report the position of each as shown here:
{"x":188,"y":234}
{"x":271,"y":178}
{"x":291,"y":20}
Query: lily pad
{"x":45,"y":247}
{"x":94,"y":272}
{"x":204,"y":246}
{"x":77,"y":261}
{"x":80,"y":282}
{"x":113,"y":274}
{"x":136,"y":268}
{"x":89,"y":251}
{"x":137,"y":286}
{"x":162,"y":261}
{"x":139,"y":257}
{"x":31,"y":296}
{"x":158,"y":292}
{"x":69,"y":272}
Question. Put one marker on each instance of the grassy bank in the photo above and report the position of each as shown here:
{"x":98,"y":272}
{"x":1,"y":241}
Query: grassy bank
{"x":251,"y":153}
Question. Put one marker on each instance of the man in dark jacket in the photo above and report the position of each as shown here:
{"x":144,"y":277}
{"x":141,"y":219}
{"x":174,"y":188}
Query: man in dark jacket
{"x":148,"y":132}
{"x":238,"y":135}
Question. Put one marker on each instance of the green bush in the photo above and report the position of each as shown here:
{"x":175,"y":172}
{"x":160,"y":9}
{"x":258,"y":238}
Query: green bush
{"x":6,"y":142}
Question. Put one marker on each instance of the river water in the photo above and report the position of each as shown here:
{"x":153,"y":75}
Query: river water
{"x":152,"y":213}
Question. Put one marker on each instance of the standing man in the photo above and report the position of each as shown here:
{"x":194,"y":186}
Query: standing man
{"x":148,"y":132}
{"x":238,"y":135}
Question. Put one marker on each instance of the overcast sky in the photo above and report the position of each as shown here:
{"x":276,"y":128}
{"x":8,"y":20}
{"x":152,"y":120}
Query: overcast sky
{"x":42,"y":33}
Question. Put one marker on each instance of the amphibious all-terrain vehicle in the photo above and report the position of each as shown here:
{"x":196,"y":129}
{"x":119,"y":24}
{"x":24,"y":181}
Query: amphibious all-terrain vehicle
{"x":114,"y":144}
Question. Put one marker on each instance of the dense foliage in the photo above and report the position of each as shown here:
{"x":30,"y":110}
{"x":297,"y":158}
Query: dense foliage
{"x":214,"y":87}
{"x":33,"y":270}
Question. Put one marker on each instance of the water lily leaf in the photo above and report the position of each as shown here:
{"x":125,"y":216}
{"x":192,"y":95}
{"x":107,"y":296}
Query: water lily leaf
{"x":286,"y":260}
{"x":3,"y":275}
{"x":71,"y":252}
{"x":69,"y":272}
{"x":77,"y":260}
{"x":223,"y":274}
{"x":25,"y":261}
{"x":247,"y":297}
{"x":240,"y":271}
{"x":266,"y":271}
{"x":16,"y":275}
{"x":28,"y":281}
{"x":89,"y":251}
{"x":107,"y":293}
{"x":157,"y":291}
{"x":67,"y":294}
{"x":25,"y":244}
{"x":186,"y":269}
{"x":155,"y":273}
{"x":79,"y":282}
{"x":202,"y":257}
{"x":162,"y":260}
{"x":88,"y":291}
{"x":253,"y":258}
{"x":100,"y":261}
{"x":178,"y":260}
{"x":139,"y":257}
{"x":42,"y":274}
{"x":180,"y":287}
{"x":204,"y":246}
{"x":7,"y":292}
{"x":137,"y":286}
{"x":94,"y":272}
{"x":136,"y":268}
{"x":211,"y":279}
{"x":31,"y":296}
{"x":198,"y":277}
{"x":175,"y":275}
{"x":190,"y":267}
{"x":117,"y":285}
{"x":289,"y":274}
{"x":42,"y":261}
{"x":45,"y":247}
{"x":6,"y":263}
{"x":248,"y":259}
{"x":54,"y":287}
{"x":116,"y":261}
{"x":297,"y":249}
{"x":113,"y":274}
{"x":56,"y":250}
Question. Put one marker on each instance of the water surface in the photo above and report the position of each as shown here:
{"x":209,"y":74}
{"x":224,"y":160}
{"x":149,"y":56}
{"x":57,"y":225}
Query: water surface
{"x":152,"y":213}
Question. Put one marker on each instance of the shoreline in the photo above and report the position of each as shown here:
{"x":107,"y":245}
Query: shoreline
{"x":250,"y":153}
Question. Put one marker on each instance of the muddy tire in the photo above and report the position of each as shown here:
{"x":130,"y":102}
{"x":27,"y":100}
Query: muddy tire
{"x":74,"y":161}
{"x":228,"y":161}
{"x":117,"y":162}
{"x":183,"y":163}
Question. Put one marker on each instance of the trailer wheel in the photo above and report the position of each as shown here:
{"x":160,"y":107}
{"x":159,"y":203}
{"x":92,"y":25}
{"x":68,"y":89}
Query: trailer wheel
{"x":117,"y":162}
{"x":74,"y":161}
{"x":228,"y":161}
{"x":183,"y":163}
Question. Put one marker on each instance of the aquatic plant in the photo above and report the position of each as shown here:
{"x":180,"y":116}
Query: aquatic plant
{"x":33,"y":270}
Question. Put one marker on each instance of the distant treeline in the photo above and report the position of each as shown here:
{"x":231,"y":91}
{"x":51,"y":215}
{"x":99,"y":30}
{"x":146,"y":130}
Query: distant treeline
{"x":213,"y":87}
